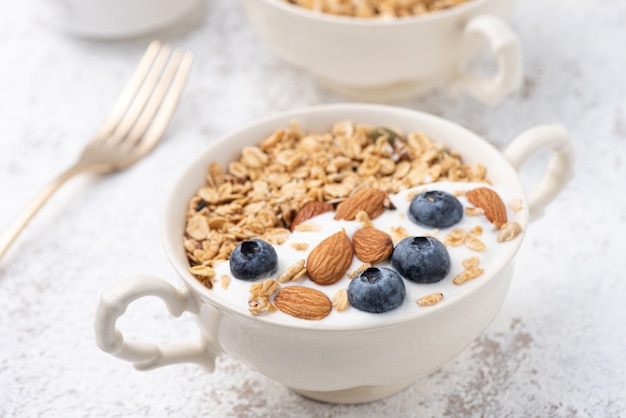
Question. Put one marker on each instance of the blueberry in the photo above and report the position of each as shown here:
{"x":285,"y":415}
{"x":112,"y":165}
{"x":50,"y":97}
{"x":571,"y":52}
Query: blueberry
{"x":435,"y":208}
{"x":421,"y":259}
{"x":376,"y":290}
{"x":252,"y":260}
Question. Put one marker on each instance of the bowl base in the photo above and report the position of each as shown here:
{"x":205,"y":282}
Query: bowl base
{"x":387,"y":93}
{"x":359,"y":394}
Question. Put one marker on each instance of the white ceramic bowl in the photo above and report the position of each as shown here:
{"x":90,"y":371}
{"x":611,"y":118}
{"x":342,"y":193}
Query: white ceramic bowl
{"x":381,"y":60}
{"x":114,"y":19}
{"x":334,"y":363}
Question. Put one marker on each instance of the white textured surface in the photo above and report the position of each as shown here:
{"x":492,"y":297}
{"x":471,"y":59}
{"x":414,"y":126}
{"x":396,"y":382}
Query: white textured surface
{"x":558,"y":347}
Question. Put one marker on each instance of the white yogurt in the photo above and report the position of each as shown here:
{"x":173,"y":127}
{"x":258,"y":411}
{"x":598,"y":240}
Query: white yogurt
{"x":237,"y":293}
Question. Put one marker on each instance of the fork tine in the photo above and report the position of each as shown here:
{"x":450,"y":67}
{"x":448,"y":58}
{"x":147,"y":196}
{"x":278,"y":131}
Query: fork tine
{"x":142,"y":96}
{"x":155,"y":100}
{"x":130,"y":90}
{"x":166,"y":110}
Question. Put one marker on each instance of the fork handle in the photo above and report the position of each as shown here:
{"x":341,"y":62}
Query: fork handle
{"x":13,"y":230}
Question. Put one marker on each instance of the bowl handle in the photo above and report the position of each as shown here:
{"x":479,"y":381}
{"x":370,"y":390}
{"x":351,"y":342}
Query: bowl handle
{"x":146,"y":356}
{"x":505,"y":45}
{"x":560,"y":167}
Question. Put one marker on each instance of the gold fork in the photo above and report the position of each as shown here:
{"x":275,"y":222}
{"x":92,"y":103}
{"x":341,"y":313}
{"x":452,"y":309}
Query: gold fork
{"x":132,"y":129}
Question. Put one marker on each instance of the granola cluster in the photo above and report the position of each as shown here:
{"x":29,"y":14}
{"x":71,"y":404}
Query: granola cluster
{"x":258,"y":195}
{"x":376,"y":8}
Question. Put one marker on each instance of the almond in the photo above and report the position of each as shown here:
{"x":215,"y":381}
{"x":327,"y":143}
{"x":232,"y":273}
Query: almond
{"x":330,"y":260}
{"x":310,"y":210}
{"x":372,"y":201}
{"x":372,"y":245}
{"x":490,"y":202}
{"x":303,"y":302}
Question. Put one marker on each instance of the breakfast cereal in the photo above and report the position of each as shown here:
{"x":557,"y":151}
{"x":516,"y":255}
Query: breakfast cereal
{"x":376,"y":8}
{"x":335,"y":206}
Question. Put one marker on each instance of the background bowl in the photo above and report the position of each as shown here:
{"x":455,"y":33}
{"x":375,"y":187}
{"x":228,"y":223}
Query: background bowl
{"x":114,"y":19}
{"x":376,"y":59}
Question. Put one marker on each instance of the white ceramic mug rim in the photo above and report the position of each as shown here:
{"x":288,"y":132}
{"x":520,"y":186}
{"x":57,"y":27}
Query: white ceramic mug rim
{"x":173,"y":245}
{"x":348,"y":20}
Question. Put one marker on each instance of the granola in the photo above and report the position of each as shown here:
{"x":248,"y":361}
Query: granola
{"x":376,"y":8}
{"x":260,"y":294}
{"x":258,"y":195}
{"x":509,"y":231}
{"x":470,"y":271}
{"x":340,"y":300}
{"x":292,"y":187}
{"x":294,"y":273}
{"x":430,"y":299}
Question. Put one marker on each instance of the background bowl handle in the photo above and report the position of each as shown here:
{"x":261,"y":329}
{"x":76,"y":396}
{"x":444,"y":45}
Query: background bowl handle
{"x":146,"y":356}
{"x":560,"y":167}
{"x":505,"y":45}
